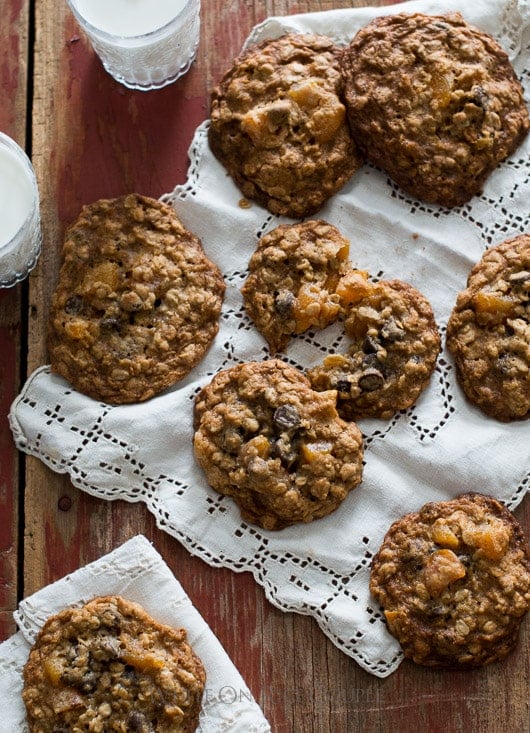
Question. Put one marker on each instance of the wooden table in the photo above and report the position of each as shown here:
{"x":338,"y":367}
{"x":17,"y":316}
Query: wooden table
{"x":89,"y":137}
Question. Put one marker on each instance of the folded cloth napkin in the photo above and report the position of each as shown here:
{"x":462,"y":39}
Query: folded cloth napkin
{"x":137,"y":572}
{"x":441,"y":447}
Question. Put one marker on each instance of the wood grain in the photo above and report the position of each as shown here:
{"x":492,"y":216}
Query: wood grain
{"x":93,"y":138}
{"x":13,"y":104}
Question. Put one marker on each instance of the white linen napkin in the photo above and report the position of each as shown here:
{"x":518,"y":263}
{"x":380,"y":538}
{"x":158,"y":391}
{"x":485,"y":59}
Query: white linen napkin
{"x":439,"y":448}
{"x":137,"y":572}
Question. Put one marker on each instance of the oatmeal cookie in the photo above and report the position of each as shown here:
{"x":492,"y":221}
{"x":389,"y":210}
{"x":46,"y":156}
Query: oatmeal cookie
{"x":137,"y":304}
{"x":488,"y":332}
{"x":278,"y":124}
{"x":292,"y":279}
{"x":279,"y":449}
{"x":109,"y":666}
{"x":393,"y":343}
{"x":434,"y":102}
{"x":454,"y":582}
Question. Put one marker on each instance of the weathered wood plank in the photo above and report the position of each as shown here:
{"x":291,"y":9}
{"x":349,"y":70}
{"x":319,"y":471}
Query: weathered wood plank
{"x":13,"y":96}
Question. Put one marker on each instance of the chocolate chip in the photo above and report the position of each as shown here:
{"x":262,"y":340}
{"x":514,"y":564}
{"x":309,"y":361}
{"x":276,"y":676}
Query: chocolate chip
{"x":283,"y":303}
{"x":109,"y":324}
{"x":506,"y":363}
{"x":465,"y":560}
{"x":88,"y":683}
{"x":370,"y":345}
{"x":286,"y":417}
{"x":371,"y":361}
{"x":371,"y":380}
{"x":130,"y":674}
{"x":343,"y":385}
{"x":392,"y":331}
{"x":436,"y":612}
{"x":138,"y":723}
{"x":283,"y":449}
{"x":74,"y":305}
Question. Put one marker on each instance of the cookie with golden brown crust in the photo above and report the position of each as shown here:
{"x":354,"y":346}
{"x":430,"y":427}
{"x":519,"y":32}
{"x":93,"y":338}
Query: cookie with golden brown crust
{"x":293,"y":275}
{"x":278,"y":124}
{"x":454,"y":582}
{"x":108,"y":665}
{"x":434,"y":102}
{"x":392,"y":348}
{"x":488,"y":332}
{"x":137,"y":303}
{"x":277,"y":447}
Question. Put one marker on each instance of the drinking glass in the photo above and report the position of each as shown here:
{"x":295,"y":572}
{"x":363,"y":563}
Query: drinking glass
{"x":143,"y":44}
{"x":20,"y":225}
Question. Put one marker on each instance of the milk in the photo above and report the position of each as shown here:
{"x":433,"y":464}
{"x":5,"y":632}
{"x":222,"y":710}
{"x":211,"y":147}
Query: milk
{"x":143,"y":44}
{"x":16,"y":196}
{"x":20,"y":232}
{"x":129,"y":17}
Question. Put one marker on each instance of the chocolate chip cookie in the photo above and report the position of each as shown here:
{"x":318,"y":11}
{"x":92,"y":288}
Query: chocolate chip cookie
{"x":434,"y":102}
{"x":454,"y":582}
{"x":277,"y":447}
{"x":293,"y":275}
{"x":137,"y":304}
{"x":109,"y":666}
{"x":488,"y":332}
{"x":278,"y":124}
{"x":392,"y":347}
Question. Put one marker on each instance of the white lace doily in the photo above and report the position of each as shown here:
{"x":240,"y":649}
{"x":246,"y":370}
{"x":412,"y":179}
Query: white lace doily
{"x":434,"y":451}
{"x":136,"y":571}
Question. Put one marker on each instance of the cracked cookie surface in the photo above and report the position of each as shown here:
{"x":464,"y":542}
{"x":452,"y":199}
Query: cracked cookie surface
{"x":277,"y":447}
{"x":393,"y":343}
{"x":137,"y":303}
{"x":454,"y":582}
{"x":488,"y":332}
{"x":109,"y":666}
{"x":278,"y":124}
{"x":293,"y":276}
{"x":434,"y":102}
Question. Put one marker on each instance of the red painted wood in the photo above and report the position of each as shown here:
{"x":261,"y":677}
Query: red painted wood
{"x":13,"y":86}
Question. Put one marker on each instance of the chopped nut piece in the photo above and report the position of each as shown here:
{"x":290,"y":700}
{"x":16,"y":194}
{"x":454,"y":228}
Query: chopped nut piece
{"x":519,"y":278}
{"x":66,"y":699}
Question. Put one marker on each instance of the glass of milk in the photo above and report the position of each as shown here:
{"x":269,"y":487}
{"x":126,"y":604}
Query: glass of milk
{"x":144,"y":44}
{"x":20,"y":229}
